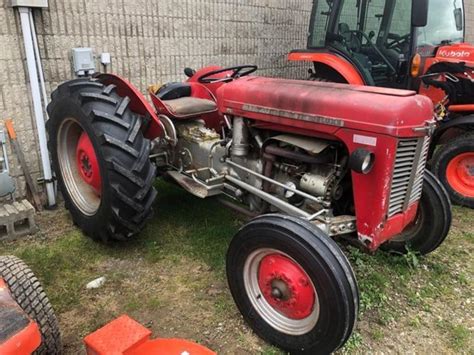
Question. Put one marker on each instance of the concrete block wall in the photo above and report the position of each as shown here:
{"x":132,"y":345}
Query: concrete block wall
{"x":469,"y":20}
{"x":151,"y":41}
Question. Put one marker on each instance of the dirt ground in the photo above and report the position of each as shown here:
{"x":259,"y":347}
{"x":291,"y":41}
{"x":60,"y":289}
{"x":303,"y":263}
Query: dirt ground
{"x":171,"y":278}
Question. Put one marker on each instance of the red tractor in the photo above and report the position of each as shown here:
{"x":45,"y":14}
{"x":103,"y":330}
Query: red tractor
{"x":406,"y":44}
{"x":314,"y":160}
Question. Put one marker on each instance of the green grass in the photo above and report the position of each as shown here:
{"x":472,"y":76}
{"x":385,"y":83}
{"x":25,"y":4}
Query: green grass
{"x":180,"y":256}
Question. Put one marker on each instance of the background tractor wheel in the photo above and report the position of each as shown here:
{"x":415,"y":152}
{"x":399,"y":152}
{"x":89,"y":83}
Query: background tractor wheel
{"x":28,"y":293}
{"x":101,"y":159}
{"x":432,"y":223}
{"x":293,"y":285}
{"x":453,"y":164}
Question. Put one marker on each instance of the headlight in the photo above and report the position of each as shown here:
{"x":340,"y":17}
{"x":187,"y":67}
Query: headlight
{"x":362,"y":161}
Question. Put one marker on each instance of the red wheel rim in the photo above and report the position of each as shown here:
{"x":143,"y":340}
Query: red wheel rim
{"x":87,"y":163}
{"x":286,"y":286}
{"x":460,"y":174}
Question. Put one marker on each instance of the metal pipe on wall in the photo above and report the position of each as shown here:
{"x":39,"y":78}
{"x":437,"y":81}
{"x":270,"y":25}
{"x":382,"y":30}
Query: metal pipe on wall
{"x":25,"y":14}
{"x":38,"y":61}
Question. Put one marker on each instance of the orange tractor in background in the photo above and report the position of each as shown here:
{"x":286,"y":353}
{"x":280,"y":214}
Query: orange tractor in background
{"x":406,"y":44}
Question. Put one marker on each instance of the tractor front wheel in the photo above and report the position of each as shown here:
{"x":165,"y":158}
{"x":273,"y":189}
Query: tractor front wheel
{"x":453,"y":164}
{"x":293,"y":285}
{"x":432,"y":224}
{"x":101,"y":159}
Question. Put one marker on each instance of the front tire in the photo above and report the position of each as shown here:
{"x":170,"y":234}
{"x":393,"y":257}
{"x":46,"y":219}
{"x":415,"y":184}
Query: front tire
{"x":101,"y":159}
{"x":432,"y":224}
{"x":453,"y":164}
{"x":293,"y":285}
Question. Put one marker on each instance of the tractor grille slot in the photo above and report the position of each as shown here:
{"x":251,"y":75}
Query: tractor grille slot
{"x":408,"y":174}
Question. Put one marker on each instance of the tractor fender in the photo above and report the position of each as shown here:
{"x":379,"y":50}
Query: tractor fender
{"x":459,"y":122}
{"x":138,"y":103}
{"x":332,"y":62}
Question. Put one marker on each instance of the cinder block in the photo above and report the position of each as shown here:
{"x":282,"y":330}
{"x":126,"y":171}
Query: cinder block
{"x":16,"y":220}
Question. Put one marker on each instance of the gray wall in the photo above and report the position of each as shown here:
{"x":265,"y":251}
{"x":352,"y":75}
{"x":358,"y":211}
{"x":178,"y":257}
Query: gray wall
{"x":151,"y":41}
{"x":469,"y":20}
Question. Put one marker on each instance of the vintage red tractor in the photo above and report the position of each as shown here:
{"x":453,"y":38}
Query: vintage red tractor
{"x":405,"y":44}
{"x":315,"y":160}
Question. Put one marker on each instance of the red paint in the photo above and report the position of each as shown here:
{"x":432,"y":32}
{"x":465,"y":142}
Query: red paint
{"x":87,"y":163}
{"x":28,"y":339}
{"x":128,"y":337}
{"x":460,"y":174}
{"x":298,"y":302}
{"x":339,"y":64}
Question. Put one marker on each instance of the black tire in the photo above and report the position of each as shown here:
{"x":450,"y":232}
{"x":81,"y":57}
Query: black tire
{"x":127,"y":174}
{"x":432,"y":223}
{"x":322,"y":261}
{"x":28,"y":293}
{"x":441,"y":160}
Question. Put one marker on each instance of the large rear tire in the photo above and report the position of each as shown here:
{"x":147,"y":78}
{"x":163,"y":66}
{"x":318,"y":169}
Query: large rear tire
{"x":453,"y":164}
{"x":432,"y":224}
{"x":101,"y":159}
{"x":26,"y":290}
{"x":293,"y":285}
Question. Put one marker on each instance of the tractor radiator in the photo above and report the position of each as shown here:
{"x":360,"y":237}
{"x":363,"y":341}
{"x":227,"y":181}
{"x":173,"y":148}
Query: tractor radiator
{"x":408,"y":174}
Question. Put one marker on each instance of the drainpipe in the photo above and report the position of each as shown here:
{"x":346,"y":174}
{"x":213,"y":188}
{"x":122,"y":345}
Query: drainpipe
{"x":38,"y":61}
{"x":25,"y":14}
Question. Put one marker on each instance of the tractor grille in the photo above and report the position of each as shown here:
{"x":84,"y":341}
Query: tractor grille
{"x":408,"y":174}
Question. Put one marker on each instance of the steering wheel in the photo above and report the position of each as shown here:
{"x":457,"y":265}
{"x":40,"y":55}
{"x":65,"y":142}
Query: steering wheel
{"x":398,"y":42}
{"x":376,"y":49}
{"x":237,"y":72}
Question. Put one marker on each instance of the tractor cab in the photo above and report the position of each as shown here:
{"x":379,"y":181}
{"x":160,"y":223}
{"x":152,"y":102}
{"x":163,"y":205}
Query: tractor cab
{"x":373,"y":42}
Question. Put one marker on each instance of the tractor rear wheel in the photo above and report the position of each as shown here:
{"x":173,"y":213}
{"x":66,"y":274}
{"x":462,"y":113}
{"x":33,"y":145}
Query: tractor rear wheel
{"x":101,"y":159}
{"x":453,"y":164}
{"x":432,"y":224}
{"x":26,"y":290}
{"x":293,"y":285}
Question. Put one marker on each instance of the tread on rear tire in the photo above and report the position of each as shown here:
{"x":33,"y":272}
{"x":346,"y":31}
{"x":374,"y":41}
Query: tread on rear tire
{"x":30,"y":296}
{"x":122,"y":152}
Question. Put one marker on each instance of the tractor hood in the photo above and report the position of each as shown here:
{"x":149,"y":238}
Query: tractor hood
{"x":326,"y":107}
{"x":463,"y":52}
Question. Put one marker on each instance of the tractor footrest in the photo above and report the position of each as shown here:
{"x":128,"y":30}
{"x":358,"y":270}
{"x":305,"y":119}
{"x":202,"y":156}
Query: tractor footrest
{"x":193,"y":187}
{"x":16,"y":220}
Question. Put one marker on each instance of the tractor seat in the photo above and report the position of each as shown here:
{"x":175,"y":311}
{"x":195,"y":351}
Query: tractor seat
{"x":190,"y":106}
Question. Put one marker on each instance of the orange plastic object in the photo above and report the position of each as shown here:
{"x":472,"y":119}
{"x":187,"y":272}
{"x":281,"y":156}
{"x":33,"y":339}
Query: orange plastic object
{"x":10,"y":129}
{"x":27,"y":339}
{"x":128,"y":337}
